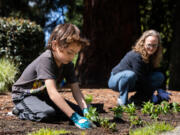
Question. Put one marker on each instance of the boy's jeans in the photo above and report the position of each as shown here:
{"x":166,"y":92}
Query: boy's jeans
{"x":126,"y":80}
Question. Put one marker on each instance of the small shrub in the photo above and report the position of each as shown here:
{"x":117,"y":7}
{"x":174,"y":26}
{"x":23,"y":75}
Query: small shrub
{"x":20,"y":40}
{"x":7,"y":75}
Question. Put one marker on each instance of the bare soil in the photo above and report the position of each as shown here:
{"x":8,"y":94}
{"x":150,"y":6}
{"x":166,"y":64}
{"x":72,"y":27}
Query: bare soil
{"x":103,"y":99}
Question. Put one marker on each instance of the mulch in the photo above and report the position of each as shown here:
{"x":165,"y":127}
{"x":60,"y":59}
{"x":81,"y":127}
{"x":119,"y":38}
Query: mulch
{"x":103,"y":99}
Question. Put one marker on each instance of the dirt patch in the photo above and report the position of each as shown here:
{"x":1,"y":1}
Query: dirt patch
{"x":103,"y":99}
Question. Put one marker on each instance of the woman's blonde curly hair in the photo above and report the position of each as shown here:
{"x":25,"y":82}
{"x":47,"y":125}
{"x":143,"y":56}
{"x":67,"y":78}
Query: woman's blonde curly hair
{"x":155,"y":59}
{"x":65,"y":34}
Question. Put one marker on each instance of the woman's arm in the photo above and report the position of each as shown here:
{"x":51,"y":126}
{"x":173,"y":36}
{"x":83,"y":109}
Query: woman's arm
{"x":78,"y":96}
{"x":57,"y":98}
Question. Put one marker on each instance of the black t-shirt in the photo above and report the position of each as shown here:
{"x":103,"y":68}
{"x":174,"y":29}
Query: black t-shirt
{"x":42,"y":68}
{"x":134,"y":62}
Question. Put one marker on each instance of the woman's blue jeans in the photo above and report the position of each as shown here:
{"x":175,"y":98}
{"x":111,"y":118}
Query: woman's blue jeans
{"x":126,"y":80}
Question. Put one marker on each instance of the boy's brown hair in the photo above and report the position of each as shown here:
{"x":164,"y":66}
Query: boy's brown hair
{"x":65,"y":34}
{"x":139,"y":47}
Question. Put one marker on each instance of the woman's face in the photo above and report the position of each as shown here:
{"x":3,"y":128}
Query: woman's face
{"x":151,"y":44}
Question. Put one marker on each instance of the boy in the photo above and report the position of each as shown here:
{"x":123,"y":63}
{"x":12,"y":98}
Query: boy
{"x":35,"y":93}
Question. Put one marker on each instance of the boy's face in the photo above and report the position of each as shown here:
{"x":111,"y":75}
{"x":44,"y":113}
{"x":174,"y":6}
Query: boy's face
{"x":66,"y":55}
{"x":151,"y":44}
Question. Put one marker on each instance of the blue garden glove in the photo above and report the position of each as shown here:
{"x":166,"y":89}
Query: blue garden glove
{"x":163,"y":95}
{"x":85,"y":111}
{"x":155,"y":99}
{"x":81,"y":122}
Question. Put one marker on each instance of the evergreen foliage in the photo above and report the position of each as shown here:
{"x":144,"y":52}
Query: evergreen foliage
{"x":20,"y":40}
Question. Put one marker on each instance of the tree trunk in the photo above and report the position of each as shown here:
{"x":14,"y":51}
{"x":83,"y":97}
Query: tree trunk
{"x":111,"y":27}
{"x":174,"y":83}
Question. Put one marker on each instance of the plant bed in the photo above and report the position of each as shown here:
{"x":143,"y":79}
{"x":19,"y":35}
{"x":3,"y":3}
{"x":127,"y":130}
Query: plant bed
{"x":10,"y":125}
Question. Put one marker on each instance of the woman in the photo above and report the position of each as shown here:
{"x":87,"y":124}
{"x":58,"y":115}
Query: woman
{"x":136,"y":71}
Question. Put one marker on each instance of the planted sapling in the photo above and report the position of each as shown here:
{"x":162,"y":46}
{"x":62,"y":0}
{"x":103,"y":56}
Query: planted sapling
{"x":130,"y":109}
{"x":156,"y":111}
{"x":147,"y":108}
{"x":118,"y":111}
{"x":175,"y":107}
{"x":165,"y":107}
{"x":88,"y":99}
{"x":135,"y":120}
{"x":92,"y":114}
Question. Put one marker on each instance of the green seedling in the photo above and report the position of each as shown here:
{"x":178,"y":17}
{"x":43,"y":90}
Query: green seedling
{"x":175,"y":107}
{"x":92,"y":114}
{"x":165,"y":107}
{"x":156,"y":111}
{"x":130,"y":109}
{"x":118,"y":111}
{"x":147,"y":108}
{"x":104,"y":122}
{"x":112,"y":127}
{"x":135,"y":120}
{"x":151,"y":109}
{"x":88,"y":99}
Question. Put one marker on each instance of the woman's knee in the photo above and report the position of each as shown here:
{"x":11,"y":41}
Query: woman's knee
{"x":158,"y":77}
{"x":130,"y":75}
{"x":123,"y":77}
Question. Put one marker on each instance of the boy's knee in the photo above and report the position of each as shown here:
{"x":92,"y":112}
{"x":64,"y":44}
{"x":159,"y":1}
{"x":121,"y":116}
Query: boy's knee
{"x":45,"y":115}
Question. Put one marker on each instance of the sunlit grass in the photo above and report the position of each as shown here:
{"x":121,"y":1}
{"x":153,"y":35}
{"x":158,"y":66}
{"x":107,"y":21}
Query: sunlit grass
{"x":8,"y":71}
{"x":152,"y":129}
{"x":44,"y":131}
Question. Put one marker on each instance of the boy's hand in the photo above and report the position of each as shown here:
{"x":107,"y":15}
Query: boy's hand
{"x":81,"y":122}
{"x":163,"y":94}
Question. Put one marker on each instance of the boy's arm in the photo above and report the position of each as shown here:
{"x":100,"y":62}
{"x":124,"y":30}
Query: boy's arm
{"x":77,"y":94}
{"x":57,"y":98}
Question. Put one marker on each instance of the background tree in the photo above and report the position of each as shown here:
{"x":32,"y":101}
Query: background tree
{"x":112,"y":28}
{"x":174,"y":83}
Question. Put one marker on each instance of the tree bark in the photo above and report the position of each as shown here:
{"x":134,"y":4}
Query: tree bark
{"x":111,"y":27}
{"x":174,"y":83}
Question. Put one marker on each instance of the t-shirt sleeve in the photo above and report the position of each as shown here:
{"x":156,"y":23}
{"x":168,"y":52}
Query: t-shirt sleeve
{"x":69,"y":73}
{"x":46,"y":69}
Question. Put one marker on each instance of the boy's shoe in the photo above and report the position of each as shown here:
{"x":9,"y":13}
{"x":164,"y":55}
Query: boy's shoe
{"x":15,"y":111}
